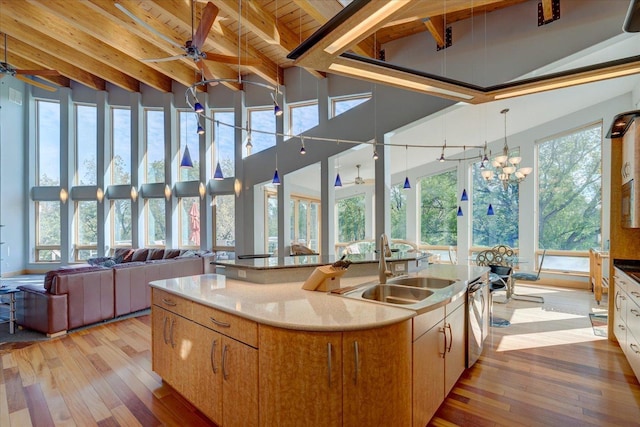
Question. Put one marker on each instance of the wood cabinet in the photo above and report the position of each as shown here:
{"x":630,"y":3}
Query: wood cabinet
{"x":214,"y":371}
{"x":335,"y":378}
{"x":626,"y":318}
{"x":439,"y":357}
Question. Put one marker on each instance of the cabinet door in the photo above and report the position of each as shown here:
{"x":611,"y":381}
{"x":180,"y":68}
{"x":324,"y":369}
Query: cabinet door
{"x":160,"y":350}
{"x":377,"y":368}
{"x":428,"y":374}
{"x":619,"y":317}
{"x":206,"y":390}
{"x":300,"y":376}
{"x":454,"y":361}
{"x":171,"y":349}
{"x":240,"y":384}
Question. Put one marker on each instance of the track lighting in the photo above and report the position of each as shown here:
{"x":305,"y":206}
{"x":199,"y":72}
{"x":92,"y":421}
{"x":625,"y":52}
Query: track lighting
{"x":186,"y":158}
{"x":200,"y":130}
{"x":375,"y":154}
{"x":218,"y":176}
{"x":276,"y":178}
{"x":277,"y":111}
{"x":338,"y":182}
{"x":303,"y":150}
{"x":198,"y":108}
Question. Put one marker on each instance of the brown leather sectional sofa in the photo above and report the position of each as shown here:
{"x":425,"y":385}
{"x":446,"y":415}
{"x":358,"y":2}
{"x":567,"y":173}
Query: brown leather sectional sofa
{"x":81,"y":295}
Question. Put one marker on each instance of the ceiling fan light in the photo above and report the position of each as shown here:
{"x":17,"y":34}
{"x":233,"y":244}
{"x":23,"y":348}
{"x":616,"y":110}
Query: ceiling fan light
{"x":198,"y":108}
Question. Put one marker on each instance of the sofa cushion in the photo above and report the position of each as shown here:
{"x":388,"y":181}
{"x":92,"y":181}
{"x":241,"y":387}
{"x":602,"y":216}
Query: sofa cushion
{"x":104,"y":261}
{"x":62,"y":271}
{"x":125,"y":253}
{"x":140,"y":255}
{"x":155,"y":254}
{"x":172,"y":253}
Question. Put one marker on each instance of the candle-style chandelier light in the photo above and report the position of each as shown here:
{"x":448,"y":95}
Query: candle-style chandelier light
{"x":506,"y":165}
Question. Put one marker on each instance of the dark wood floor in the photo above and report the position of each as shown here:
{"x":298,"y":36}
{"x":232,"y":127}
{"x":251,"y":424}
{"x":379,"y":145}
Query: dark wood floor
{"x":547,"y":369}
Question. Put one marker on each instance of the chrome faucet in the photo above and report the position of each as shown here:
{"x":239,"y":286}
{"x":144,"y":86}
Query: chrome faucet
{"x":385,"y":251}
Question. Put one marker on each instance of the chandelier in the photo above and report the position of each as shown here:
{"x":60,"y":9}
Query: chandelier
{"x":506,"y":165}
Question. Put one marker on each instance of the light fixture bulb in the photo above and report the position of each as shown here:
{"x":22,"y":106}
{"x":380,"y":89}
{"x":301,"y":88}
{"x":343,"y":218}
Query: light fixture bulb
{"x":303,"y":151}
{"x":375,"y":155}
{"x":277,"y":111}
{"x":200,"y":130}
{"x":441,"y":159}
{"x":198,"y":108}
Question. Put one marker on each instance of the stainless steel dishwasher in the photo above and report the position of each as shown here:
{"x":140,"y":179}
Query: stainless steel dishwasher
{"x":477,"y":319}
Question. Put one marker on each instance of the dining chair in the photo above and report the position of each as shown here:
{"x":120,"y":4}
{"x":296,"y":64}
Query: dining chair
{"x":504,"y":250}
{"x":529,"y":277}
{"x":499,"y":280}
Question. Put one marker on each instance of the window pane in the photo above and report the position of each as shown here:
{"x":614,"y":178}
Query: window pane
{"x":48,"y":141}
{"x":351,"y":218}
{"x":314,"y":227}
{"x":303,"y":117}
{"x":224,"y":142}
{"x":340,"y":105}
{"x":121,"y":222}
{"x":154,"y":146}
{"x":225,"y":213}
{"x":121,"y":146}
{"x":261,"y":121}
{"x":189,"y":221}
{"x":87,"y":214}
{"x":272,"y":223}
{"x":438,"y":209}
{"x":569,"y":191}
{"x":86,"y":145}
{"x":155,"y":219}
{"x":48,"y":230}
{"x":502,"y":227}
{"x":398,"y":198}
{"x":188,"y":127}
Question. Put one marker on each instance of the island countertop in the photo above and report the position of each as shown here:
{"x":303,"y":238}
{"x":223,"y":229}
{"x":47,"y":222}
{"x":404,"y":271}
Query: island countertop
{"x":289,"y":306}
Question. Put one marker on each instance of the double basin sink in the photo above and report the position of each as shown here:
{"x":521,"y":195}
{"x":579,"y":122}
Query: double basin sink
{"x":407,"y":291}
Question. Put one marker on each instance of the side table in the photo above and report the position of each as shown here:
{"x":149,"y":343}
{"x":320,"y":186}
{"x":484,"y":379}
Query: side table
{"x":8,"y":298}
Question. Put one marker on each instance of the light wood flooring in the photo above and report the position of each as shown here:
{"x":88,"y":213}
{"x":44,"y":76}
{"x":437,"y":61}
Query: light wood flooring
{"x":546,"y":369}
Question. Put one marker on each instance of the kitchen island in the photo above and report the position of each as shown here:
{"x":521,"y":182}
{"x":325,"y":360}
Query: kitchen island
{"x":276,"y":354}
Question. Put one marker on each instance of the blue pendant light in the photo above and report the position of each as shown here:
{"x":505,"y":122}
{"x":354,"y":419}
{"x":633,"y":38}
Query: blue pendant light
{"x":276,"y":178}
{"x":459,"y":211}
{"x":198,"y":108}
{"x":200,"y":130}
{"x":490,"y":210}
{"x":464,"y":197}
{"x":218,"y":176}
{"x":407,"y":184}
{"x":338,"y":182}
{"x":186,"y":158}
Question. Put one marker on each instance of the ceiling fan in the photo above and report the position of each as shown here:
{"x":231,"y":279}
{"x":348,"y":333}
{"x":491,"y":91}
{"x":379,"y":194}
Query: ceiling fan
{"x":359,"y":180}
{"x":193,"y":48}
{"x":7,"y":70}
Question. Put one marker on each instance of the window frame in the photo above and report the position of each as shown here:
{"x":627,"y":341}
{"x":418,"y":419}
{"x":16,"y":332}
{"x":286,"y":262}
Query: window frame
{"x":334,"y":100}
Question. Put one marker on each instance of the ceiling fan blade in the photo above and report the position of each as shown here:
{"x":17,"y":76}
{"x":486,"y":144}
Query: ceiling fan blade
{"x":39,"y":72}
{"x":228,"y":59}
{"x":169,"y":58}
{"x":148,"y":27}
{"x":35,"y":83}
{"x":209,"y":14}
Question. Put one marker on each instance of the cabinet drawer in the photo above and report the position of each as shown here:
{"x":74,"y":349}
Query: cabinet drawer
{"x":632,"y":351}
{"x":172,"y":303}
{"x":633,"y":317}
{"x":426,"y":321}
{"x":232,"y":326}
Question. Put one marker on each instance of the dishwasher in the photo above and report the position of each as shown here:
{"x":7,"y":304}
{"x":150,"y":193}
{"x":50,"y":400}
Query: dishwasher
{"x":477,"y":318}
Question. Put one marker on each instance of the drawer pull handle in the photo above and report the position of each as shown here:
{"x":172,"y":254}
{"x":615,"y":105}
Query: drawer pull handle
{"x":219,"y":323}
{"x":169,"y":302}
{"x":164,"y":330}
{"x":444,"y":352}
{"x":212,"y":356}
{"x":448,"y":326}
{"x":635,"y":294}
{"x":356,"y":356}
{"x":173,"y":344}
{"x":621,"y":326}
{"x":329,"y":364}
{"x":635,"y":312}
{"x":634,"y":348}
{"x":225,"y":374}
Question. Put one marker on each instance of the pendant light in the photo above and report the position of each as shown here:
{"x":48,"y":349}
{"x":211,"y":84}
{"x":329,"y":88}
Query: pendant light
{"x":186,"y":158}
{"x":217,"y":175}
{"x":464,"y":196}
{"x":459,"y":211}
{"x":490,"y":210}
{"x":338,"y":181}
{"x":276,"y":177}
{"x":407,"y":184}
{"x":303,"y":150}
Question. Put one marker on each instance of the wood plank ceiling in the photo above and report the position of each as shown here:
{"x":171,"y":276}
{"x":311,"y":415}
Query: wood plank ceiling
{"x":94,"y":42}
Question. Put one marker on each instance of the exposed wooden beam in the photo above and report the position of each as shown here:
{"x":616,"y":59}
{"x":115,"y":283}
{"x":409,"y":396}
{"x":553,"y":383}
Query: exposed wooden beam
{"x":436,"y":27}
{"x":27,"y":34}
{"x":547,"y":10}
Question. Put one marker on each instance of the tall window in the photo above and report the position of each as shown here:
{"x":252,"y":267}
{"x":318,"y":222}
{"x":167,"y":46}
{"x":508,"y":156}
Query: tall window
{"x":271,"y":221}
{"x":224,"y":232}
{"x":303,"y":116}
{"x":351,"y":218}
{"x":438,"y":209}
{"x":154,"y":145}
{"x":345,"y":103}
{"x":47,"y":231}
{"x":121,"y":146}
{"x":121,"y":221}
{"x":305,"y":222}
{"x":398,"y":212}
{"x":86,"y":144}
{"x":501,"y":228}
{"x":86,"y":241}
{"x":188,"y":136}
{"x":570,"y":196}
{"x":48,"y":143}
{"x":224,"y":142}
{"x":189,"y":222}
{"x":261,"y":120}
{"x":156,"y":232}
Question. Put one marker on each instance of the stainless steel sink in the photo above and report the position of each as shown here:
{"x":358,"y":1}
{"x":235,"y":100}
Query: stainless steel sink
{"x":421,"y":282}
{"x":396,"y":294}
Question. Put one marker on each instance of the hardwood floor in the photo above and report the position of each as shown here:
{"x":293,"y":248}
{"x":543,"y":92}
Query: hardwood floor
{"x":546,"y":369}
